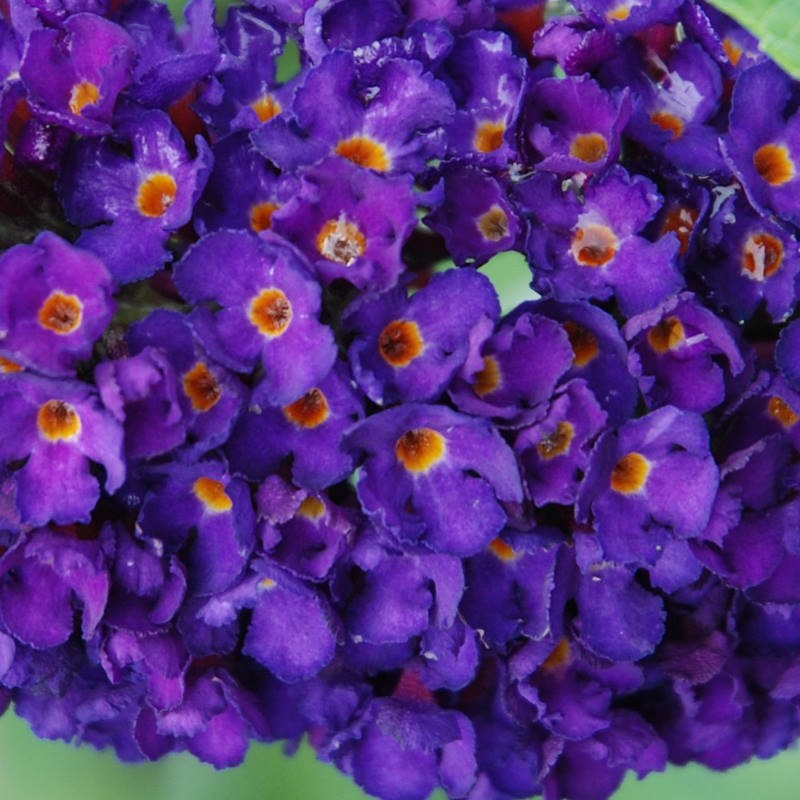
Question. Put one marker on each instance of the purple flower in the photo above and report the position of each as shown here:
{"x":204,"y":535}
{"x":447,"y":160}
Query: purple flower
{"x":513,"y":590}
{"x":168,"y":65}
{"x":74,"y":76}
{"x":554,"y":453}
{"x":207,"y":515}
{"x":210,"y":398}
{"x":521,"y":364}
{"x":279,"y":600}
{"x":488,"y":100}
{"x":764,"y":149}
{"x":142,"y":392}
{"x":55,"y":302}
{"x":312,"y":543}
{"x":636,"y":496}
{"x":350,"y":223}
{"x":387,"y":117}
{"x":420,"y":461}
{"x":269,"y":308}
{"x":574,"y":125}
{"x":60,"y":427}
{"x":599,"y":354}
{"x":308,"y":431}
{"x":592,"y":249}
{"x":243,"y":92}
{"x":751,"y":258}
{"x":402,"y":351}
{"x":475,"y":216}
{"x":401,"y":749}
{"x":128,"y":205}
{"x":243,"y":191}
{"x":45,"y":579}
{"x":674,"y":353}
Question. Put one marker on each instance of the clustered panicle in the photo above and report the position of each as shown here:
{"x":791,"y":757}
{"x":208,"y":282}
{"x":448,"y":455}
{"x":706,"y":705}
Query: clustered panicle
{"x":274,"y":463}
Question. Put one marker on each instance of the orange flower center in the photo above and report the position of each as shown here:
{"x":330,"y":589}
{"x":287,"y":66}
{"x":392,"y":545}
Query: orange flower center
{"x":668,"y":122}
{"x":7,"y":365}
{"x":266,"y":107}
{"x":489,"y":378}
{"x":156,"y":194}
{"x":594,"y":245}
{"x":668,"y":335}
{"x":489,"y":136}
{"x":311,"y":508}
{"x":212,"y":495}
{"x":61,"y":313}
{"x":271,"y":312}
{"x":781,"y":411}
{"x":202,"y":387}
{"x":310,"y":411}
{"x":261,"y":216}
{"x":58,"y":421}
{"x":630,"y":473}
{"x":732,"y":50}
{"x":503,"y":550}
{"x":773,"y":164}
{"x":558,"y":442}
{"x":558,"y":657}
{"x":493,"y":225}
{"x":584,"y":343}
{"x":400,"y":342}
{"x":762,"y":256}
{"x":341,"y":240}
{"x":420,"y":449}
{"x":680,"y":221}
{"x":83,"y":94}
{"x":589,"y":147}
{"x":365,"y":152}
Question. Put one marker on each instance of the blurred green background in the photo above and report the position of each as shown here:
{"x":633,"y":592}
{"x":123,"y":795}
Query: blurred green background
{"x":35,"y":770}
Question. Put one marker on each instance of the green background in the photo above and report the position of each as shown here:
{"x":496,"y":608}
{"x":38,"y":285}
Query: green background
{"x":31,"y":769}
{"x":34,"y":770}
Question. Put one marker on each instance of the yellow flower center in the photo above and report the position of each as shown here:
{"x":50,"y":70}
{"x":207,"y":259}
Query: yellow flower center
{"x":83,"y":94}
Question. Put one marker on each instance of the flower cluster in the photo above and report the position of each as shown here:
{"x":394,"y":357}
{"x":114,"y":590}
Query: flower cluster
{"x":273,"y":463}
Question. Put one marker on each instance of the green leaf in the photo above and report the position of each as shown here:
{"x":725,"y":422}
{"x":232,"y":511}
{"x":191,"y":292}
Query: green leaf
{"x":775,"y":22}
